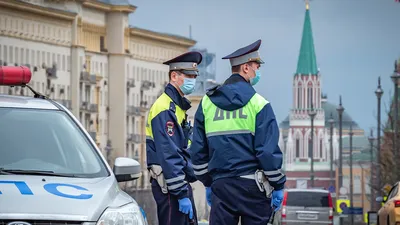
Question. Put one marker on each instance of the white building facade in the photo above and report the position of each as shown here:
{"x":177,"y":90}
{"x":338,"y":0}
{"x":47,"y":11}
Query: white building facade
{"x":85,"y":55}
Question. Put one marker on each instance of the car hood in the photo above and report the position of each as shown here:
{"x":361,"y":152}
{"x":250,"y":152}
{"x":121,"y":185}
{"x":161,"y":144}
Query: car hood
{"x":58,"y":198}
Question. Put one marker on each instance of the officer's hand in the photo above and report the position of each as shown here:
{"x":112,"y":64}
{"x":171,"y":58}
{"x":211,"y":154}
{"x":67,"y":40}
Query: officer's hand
{"x":277,"y":198}
{"x":208,"y":195}
{"x":185,"y":206}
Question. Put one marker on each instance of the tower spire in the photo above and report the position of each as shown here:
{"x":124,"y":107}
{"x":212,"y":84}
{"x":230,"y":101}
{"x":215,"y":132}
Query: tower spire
{"x":307,"y":62}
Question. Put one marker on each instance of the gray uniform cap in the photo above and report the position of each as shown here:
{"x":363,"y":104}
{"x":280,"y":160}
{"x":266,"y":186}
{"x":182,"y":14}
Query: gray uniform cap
{"x":246,"y":54}
{"x":186,"y":63}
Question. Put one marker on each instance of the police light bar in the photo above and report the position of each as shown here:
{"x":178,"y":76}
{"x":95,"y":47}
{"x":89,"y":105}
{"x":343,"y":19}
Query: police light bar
{"x":15,"y":75}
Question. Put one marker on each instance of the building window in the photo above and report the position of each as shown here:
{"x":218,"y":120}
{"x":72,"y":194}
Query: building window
{"x":320,"y":149}
{"x":299,"y":97}
{"x":310,"y":97}
{"x":102,"y":44}
{"x":297,"y":148}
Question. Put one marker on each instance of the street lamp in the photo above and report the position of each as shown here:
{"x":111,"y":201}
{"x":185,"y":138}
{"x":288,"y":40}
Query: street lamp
{"x":340,"y":110}
{"x":379,"y":93}
{"x":395,"y":78}
{"x":331,"y":122}
{"x":312,"y":113}
{"x":371,"y":142}
{"x":351,"y":170}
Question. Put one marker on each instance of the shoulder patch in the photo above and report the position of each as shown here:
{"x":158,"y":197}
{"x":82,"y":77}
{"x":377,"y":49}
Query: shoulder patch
{"x":170,"y":128}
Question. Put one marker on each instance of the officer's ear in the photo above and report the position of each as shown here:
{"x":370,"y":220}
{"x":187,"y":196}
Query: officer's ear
{"x":245,"y":68}
{"x":173,"y":75}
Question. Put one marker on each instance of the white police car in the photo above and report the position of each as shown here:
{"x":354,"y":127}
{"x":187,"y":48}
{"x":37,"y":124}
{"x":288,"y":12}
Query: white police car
{"x":51,"y":171}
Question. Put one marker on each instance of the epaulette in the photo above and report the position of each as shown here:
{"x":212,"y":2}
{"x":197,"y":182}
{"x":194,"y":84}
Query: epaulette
{"x":172,"y":107}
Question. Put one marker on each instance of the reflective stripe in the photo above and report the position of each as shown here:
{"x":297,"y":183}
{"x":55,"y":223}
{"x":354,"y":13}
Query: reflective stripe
{"x":201,"y":172}
{"x":176,"y":186}
{"x":271,"y":173}
{"x":275,"y":179}
{"x":175,"y":179}
{"x":229,"y":132}
{"x":199,"y":167}
{"x":149,"y":138}
{"x":250,"y":176}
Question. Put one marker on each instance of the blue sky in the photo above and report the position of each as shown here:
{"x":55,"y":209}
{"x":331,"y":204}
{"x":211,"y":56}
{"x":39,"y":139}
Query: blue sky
{"x":355,"y":40}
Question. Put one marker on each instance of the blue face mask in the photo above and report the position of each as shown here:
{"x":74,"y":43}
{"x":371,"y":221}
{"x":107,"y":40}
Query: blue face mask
{"x":188,"y":86}
{"x":254,"y":80}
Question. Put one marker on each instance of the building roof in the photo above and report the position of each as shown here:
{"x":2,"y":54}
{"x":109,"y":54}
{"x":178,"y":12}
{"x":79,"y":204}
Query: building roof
{"x":115,"y":2}
{"x":174,"y":36}
{"x":363,"y":156}
{"x":359,"y":142}
{"x":329,"y":109}
{"x":307,"y":61}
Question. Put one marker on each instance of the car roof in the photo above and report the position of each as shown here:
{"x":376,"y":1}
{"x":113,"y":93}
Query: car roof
{"x":13,"y":101}
{"x":307,"y":190}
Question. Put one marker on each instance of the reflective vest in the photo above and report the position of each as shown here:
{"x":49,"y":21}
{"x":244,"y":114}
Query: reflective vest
{"x":240,"y":121}
{"x":164,"y":103}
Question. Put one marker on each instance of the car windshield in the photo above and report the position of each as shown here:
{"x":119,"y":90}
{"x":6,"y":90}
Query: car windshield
{"x":46,"y":140}
{"x":307,"y":199}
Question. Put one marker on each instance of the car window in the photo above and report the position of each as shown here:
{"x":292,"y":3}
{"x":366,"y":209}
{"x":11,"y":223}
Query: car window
{"x":307,"y":199}
{"x":393,"y":192}
{"x":48,"y":140}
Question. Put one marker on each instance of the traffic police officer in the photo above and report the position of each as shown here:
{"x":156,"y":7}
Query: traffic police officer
{"x":235,"y":151}
{"x":167,"y":140}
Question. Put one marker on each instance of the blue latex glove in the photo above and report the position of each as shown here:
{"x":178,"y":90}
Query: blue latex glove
{"x":208,"y":195}
{"x":277,"y":198}
{"x":185,"y":206}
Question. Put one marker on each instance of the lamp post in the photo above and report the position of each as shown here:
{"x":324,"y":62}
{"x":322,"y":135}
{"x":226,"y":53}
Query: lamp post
{"x":312,"y":115}
{"x":340,"y":110}
{"x":395,"y":78}
{"x":331,"y":122}
{"x":351,"y":171}
{"x":379,"y":93}
{"x":362,"y":186}
{"x":371,"y":142}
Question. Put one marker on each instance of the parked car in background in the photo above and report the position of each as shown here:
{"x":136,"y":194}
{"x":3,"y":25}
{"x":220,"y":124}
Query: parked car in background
{"x":306,"y":206}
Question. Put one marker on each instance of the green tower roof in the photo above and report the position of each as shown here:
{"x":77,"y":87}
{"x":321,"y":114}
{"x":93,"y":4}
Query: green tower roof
{"x":307,"y":62}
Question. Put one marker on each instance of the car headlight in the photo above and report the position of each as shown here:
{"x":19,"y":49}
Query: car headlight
{"x":129,"y":214}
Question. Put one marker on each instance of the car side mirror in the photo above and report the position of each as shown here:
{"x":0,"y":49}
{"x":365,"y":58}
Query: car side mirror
{"x":379,"y":199}
{"x":126,"y":169}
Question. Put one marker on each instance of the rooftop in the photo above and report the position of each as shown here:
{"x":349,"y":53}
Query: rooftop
{"x":115,"y":2}
{"x":330,"y":109}
{"x":183,"y":38}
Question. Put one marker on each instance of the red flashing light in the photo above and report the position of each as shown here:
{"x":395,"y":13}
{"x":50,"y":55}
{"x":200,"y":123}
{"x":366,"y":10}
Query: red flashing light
{"x":283,"y":214}
{"x":397,"y":203}
{"x":330,"y":206}
{"x":15,"y":75}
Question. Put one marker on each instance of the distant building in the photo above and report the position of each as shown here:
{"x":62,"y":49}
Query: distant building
{"x":295,"y":135}
{"x":205,"y":80}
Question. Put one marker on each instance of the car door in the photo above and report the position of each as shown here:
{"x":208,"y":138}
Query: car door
{"x":388,"y":206}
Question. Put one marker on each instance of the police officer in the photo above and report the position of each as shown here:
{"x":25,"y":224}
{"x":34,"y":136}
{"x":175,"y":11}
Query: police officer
{"x":235,"y":151}
{"x":167,"y":137}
